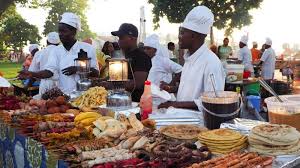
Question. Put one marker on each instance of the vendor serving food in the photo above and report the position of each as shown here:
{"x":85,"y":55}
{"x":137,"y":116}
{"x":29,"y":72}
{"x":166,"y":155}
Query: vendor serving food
{"x":61,"y":59}
{"x":200,"y":62}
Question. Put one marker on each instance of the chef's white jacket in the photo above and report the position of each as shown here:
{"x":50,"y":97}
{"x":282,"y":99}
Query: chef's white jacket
{"x":162,"y":70}
{"x":35,"y":65}
{"x":49,"y":83}
{"x":245,"y":56}
{"x":195,"y":75}
{"x":60,"y":59}
{"x":268,"y":66}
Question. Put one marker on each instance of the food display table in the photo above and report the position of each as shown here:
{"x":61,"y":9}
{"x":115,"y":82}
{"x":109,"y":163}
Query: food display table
{"x":56,"y":132}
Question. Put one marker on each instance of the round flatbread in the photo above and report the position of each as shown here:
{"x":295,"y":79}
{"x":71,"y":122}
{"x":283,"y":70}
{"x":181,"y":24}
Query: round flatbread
{"x":275,"y":132}
{"x":225,"y":151}
{"x":255,"y":139}
{"x":182,"y":131}
{"x":294,"y":150}
{"x":220,"y":135}
{"x":225,"y":145}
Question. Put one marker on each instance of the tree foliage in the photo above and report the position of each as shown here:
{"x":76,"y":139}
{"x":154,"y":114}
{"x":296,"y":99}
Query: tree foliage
{"x":15,"y":32}
{"x":228,"y":14}
{"x":58,"y":7}
{"x":5,"y":4}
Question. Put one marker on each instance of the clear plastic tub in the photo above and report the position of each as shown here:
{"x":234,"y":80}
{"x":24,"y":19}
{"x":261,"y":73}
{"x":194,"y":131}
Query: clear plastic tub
{"x":287,"y":112}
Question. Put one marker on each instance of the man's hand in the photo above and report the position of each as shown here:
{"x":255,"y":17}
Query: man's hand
{"x":69,"y":71}
{"x":25,"y":74}
{"x":167,"y":104}
{"x":165,"y":86}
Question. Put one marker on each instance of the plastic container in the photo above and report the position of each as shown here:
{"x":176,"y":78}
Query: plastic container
{"x":255,"y":101}
{"x":234,"y":73}
{"x":146,"y":101}
{"x":252,"y":89}
{"x":287,"y":112}
{"x":217,"y":110}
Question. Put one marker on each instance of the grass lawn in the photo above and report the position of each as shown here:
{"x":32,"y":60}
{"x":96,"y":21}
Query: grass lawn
{"x":10,"y":70}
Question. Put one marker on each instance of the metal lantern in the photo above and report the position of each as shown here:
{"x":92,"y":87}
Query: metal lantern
{"x":83,"y":64}
{"x":118,"y":98}
{"x":118,"y":70}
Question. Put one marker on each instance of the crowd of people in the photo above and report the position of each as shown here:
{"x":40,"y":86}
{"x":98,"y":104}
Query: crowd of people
{"x":149,"y":60}
{"x":264,"y":58}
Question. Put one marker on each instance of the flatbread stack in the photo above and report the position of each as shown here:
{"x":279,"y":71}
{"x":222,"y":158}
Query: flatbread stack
{"x":223,"y":141}
{"x":274,"y":139}
{"x":182,"y":131}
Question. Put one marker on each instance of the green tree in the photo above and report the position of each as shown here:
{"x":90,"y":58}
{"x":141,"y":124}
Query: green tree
{"x":5,"y":4}
{"x":228,"y":14}
{"x":58,"y":7}
{"x":15,"y":32}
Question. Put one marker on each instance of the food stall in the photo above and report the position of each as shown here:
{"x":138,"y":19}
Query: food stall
{"x":91,"y":131}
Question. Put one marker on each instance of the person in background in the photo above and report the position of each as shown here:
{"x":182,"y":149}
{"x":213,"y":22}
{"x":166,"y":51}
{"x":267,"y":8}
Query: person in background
{"x":139,"y":62}
{"x":117,"y":51}
{"x":255,"y":53}
{"x":200,"y":62}
{"x":171,"y":48}
{"x":116,"y":46}
{"x":48,"y":83}
{"x":27,"y":62}
{"x":224,"y":51}
{"x":61,"y":58}
{"x":268,"y":61}
{"x":262,"y":50}
{"x":108,"y":48}
{"x":103,"y":58}
{"x":36,"y":56}
{"x":162,"y":67}
{"x":244,"y":55}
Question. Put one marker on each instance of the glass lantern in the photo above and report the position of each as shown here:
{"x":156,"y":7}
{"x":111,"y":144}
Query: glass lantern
{"x":83,"y":63}
{"x":118,"y":70}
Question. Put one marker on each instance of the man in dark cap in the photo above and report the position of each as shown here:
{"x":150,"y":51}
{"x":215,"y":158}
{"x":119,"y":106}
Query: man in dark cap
{"x":140,"y":63}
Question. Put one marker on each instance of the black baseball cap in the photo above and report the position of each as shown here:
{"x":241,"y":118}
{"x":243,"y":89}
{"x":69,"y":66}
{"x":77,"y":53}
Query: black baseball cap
{"x":126,"y":29}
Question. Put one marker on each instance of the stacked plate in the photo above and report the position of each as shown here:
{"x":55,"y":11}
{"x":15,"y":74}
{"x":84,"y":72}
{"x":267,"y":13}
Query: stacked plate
{"x":174,"y":116}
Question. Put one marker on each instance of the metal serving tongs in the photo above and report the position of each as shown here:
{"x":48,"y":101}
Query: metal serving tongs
{"x":212,"y":78}
{"x":269,"y":89}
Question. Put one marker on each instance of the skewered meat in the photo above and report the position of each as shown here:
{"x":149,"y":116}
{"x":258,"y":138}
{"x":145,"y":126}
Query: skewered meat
{"x":237,"y":160}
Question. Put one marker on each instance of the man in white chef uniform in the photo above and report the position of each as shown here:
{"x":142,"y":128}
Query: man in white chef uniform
{"x":36,"y":54}
{"x":200,"y":61}
{"x":268,"y":61}
{"x":61,"y":58}
{"x":35,"y":64}
{"x":48,"y":83}
{"x":163,"y":67}
{"x":244,"y":55}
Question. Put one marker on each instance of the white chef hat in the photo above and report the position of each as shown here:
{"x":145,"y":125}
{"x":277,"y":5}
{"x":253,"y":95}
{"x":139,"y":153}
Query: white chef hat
{"x":152,"y":41}
{"x":244,"y":39}
{"x":268,"y":41}
{"x":33,"y":47}
{"x":53,"y":38}
{"x":71,"y":19}
{"x":200,"y":19}
{"x":254,"y":43}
